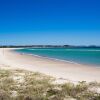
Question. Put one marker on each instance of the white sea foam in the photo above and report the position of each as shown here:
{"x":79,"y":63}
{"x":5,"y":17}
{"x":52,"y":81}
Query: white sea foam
{"x":80,"y":50}
{"x":65,"y":50}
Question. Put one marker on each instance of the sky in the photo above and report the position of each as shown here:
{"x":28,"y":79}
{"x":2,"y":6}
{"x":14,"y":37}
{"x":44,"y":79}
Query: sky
{"x":56,"y":22}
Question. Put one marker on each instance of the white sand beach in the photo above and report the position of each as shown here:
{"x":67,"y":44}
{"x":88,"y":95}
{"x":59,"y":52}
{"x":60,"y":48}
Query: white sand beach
{"x":59,"y":69}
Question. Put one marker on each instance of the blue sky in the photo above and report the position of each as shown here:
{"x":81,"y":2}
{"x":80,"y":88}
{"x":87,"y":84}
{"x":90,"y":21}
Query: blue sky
{"x":75,"y":22}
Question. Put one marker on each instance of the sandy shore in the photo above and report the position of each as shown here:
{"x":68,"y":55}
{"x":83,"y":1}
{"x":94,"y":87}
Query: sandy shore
{"x":59,"y":69}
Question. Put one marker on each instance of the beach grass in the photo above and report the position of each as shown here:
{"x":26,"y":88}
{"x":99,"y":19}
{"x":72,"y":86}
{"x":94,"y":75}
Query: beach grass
{"x":27,"y":85}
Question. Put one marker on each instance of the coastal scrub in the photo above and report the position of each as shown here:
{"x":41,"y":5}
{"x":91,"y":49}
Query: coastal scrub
{"x":27,"y":85}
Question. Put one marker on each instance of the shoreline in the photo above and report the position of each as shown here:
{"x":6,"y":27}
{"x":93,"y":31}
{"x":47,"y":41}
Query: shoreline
{"x":56,"y":59}
{"x":49,"y":58}
{"x":56,"y":68}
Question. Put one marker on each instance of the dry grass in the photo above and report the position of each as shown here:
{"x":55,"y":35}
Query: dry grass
{"x":25,"y":85}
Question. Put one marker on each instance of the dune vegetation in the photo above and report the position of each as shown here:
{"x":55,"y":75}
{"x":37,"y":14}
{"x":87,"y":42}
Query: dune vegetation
{"x":26,"y":85}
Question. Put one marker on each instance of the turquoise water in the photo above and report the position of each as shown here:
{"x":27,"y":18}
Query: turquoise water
{"x":78,"y":55}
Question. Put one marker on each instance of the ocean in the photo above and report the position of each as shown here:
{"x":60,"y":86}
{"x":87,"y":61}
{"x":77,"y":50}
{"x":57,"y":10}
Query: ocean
{"x":90,"y":56}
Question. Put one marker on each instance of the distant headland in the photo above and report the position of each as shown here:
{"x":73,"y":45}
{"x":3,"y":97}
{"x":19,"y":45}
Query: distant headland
{"x":47,"y":46}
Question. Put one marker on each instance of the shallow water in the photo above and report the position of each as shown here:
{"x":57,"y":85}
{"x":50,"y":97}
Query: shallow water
{"x":79,"y":55}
